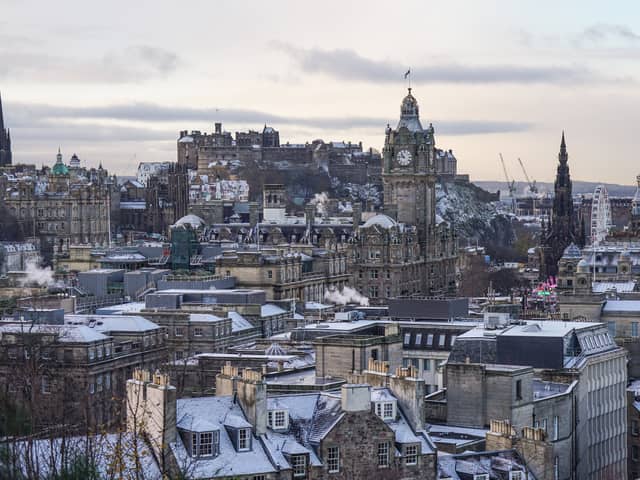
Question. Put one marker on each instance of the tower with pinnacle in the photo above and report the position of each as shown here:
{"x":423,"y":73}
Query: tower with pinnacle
{"x":5,"y":141}
{"x":561,"y":230}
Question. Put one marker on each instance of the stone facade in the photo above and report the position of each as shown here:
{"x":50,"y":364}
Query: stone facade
{"x":5,"y":141}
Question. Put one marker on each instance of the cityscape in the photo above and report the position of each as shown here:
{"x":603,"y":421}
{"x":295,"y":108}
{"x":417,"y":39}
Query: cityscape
{"x":376,"y":294}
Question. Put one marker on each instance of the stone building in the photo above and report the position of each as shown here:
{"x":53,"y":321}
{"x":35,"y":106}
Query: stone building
{"x":5,"y":141}
{"x":363,"y":431}
{"x":633,"y":430}
{"x":409,"y":175}
{"x":63,"y":206}
{"x":75,"y":373}
{"x":567,"y":378}
{"x":17,"y":256}
{"x":563,"y":229}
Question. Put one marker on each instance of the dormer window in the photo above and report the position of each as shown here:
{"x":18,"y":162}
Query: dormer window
{"x":205,"y":444}
{"x":481,"y":476}
{"x":386,"y":410}
{"x":516,"y":475}
{"x":278,"y":419}
{"x":299,"y":465}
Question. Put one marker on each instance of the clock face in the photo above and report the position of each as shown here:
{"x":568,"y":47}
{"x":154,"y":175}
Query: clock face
{"x":403,"y":157}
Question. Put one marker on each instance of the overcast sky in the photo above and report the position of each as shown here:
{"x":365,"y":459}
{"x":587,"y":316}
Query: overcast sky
{"x":115,"y":81}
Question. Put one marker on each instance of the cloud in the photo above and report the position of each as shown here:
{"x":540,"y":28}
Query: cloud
{"x":602,"y":32}
{"x":133,"y":64}
{"x":347,"y":65}
{"x":26,"y":115}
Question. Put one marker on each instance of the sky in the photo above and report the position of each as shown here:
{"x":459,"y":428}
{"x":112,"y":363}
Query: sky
{"x":116,"y":81}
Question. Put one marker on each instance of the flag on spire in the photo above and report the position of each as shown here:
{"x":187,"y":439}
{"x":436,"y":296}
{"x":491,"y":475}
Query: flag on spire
{"x":407,"y":74}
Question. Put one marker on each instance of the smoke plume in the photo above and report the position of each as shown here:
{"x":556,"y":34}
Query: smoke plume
{"x":347,"y":295}
{"x":36,"y":274}
{"x":319,"y":200}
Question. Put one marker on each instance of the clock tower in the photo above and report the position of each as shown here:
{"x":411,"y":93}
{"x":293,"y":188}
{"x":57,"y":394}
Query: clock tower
{"x":408,"y":173}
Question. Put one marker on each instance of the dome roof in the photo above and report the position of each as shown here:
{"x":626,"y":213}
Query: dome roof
{"x":625,"y":255}
{"x":572,"y":251}
{"x":410,"y":114}
{"x":193,"y":220}
{"x":60,"y":169}
{"x":381,"y":220}
{"x":583,"y":266}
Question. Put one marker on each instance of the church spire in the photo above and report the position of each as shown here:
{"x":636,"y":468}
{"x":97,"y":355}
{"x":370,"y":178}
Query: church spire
{"x":563,"y":156}
{"x":1,"y":117}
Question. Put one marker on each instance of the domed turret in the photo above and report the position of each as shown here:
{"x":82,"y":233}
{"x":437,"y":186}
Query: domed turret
{"x":410,"y":113}
{"x":59,"y":168}
{"x":583,"y":266}
{"x":572,"y":251}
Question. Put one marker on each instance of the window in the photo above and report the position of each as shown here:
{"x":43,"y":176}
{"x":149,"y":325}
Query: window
{"x":411,"y":455}
{"x":99,"y":383}
{"x":299,"y":465}
{"x":518,"y":389}
{"x":634,"y":329}
{"x":634,"y":453}
{"x":92,"y":354}
{"x":99,"y":349}
{"x":107,"y":351}
{"x":517,"y":475}
{"x":407,"y":338}
{"x":92,"y":388}
{"x":612,"y":328}
{"x":13,"y":354}
{"x":383,"y":454}
{"x":430,"y":339}
{"x":481,"y":476}
{"x":634,"y":428}
{"x":243,"y":439}
{"x":418,"y":338}
{"x":442,"y":339}
{"x":204,"y":444}
{"x":107,"y":381}
{"x":46,"y":354}
{"x":45,"y":386}
{"x":179,"y":331}
{"x":259,"y":477}
{"x":453,"y":339}
{"x":426,"y":364}
{"x":197,"y":331}
{"x":556,"y":427}
{"x":556,"y":469}
{"x":333,"y":459}
{"x":179,"y":355}
{"x":270,"y":274}
{"x":277,"y":419}
{"x":388,"y":410}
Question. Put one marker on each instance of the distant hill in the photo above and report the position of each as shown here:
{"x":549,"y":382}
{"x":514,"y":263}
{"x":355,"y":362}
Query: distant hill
{"x":579,"y":187}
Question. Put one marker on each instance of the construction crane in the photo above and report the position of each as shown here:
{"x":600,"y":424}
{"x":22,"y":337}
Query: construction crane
{"x":511,"y":185}
{"x":533,"y":188}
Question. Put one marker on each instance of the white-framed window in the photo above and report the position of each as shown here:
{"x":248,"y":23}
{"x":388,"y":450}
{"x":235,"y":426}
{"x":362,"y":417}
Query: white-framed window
{"x":418,"y":339}
{"x":179,"y":331}
{"x":205,"y":446}
{"x":197,"y":331}
{"x":442,"y":339}
{"x":407,"y":338}
{"x":278,"y":419}
{"x":411,"y":454}
{"x":270,"y":274}
{"x":385,"y":410}
{"x":516,"y":475}
{"x":92,"y":353}
{"x":299,"y":465}
{"x":383,"y":454}
{"x":107,"y":351}
{"x":99,"y":349}
{"x":556,"y":427}
{"x":99,"y":383}
{"x":333,"y":459}
{"x":243,"y":439}
{"x":634,"y":329}
{"x":430,"y":339}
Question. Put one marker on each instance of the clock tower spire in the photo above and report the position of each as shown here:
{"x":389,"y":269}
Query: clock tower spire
{"x":408,"y":171}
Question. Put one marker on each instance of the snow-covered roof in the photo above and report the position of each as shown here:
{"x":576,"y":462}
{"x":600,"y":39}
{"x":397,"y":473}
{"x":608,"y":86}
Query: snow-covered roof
{"x":238,"y":322}
{"x":381,"y":220}
{"x":193,"y":220}
{"x":65,"y":333}
{"x":229,"y":463}
{"x":204,"y":317}
{"x":186,"y":139}
{"x":622,"y":306}
{"x":269,"y":310}
{"x":112,"y":323}
{"x":620,"y":287}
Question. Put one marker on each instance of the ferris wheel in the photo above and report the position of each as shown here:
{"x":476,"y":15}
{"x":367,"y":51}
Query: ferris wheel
{"x":600,"y":215}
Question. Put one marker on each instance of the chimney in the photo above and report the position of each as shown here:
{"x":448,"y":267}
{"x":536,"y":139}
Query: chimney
{"x":410,"y":392}
{"x":357,"y":214}
{"x":151,"y":411}
{"x":501,"y":436}
{"x":356,"y":397}
{"x":252,"y":395}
